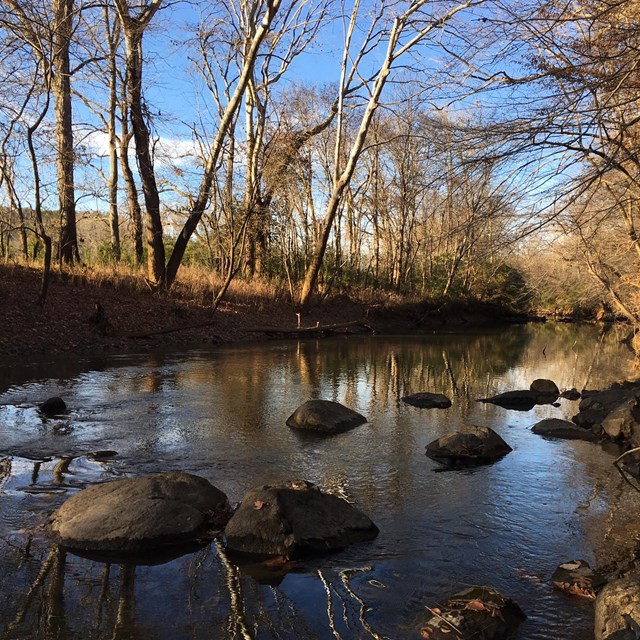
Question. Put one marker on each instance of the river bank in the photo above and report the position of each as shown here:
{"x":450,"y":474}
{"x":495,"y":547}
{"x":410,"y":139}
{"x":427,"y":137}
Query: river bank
{"x":83,"y":315}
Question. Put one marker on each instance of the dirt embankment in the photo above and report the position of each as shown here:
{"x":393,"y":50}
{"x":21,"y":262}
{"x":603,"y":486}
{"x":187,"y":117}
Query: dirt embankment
{"x":81,"y":316}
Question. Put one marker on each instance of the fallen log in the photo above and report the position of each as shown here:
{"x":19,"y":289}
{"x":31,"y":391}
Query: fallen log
{"x":318,"y":329}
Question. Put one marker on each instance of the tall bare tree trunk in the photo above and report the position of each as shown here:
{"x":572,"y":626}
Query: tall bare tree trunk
{"x":63,"y":11}
{"x":204,"y":192}
{"x":111,"y":34}
{"x":133,"y":205}
{"x":155,"y":245}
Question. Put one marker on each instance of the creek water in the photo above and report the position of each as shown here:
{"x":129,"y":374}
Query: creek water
{"x":221,"y":414}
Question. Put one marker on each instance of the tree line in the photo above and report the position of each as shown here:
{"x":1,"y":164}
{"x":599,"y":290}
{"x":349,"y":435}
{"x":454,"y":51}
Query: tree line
{"x":449,"y":136}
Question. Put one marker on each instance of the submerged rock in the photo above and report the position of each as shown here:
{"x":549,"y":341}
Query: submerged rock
{"x":521,"y":400}
{"x":571,"y":394}
{"x":577,"y":578}
{"x":324,"y":416}
{"x":295,"y":519}
{"x":477,"y":612}
{"x":140,"y":514}
{"x":541,"y":391}
{"x":427,"y":400}
{"x":556,"y":428}
{"x":618,"y":610}
{"x":470,"y":446}
{"x":55,"y":406}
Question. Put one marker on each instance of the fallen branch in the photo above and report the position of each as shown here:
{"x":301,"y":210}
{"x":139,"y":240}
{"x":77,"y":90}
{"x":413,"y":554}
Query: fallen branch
{"x":325,"y":328}
{"x":620,"y":467}
{"x":185,"y":327}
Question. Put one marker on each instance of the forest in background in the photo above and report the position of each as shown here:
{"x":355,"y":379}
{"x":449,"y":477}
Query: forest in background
{"x":478,"y":149}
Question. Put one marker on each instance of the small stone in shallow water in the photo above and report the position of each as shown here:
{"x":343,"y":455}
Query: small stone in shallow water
{"x":427,"y":400}
{"x":477,"y":612}
{"x":577,"y":578}
{"x":53,"y":407}
{"x":324,"y":416}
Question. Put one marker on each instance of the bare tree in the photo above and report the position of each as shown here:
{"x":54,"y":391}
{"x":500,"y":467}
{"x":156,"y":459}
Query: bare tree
{"x":134,"y":27}
{"x":394,"y":35}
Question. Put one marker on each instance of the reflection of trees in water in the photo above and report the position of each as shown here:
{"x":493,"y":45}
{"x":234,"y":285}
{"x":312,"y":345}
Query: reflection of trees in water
{"x":71,"y":597}
{"x":58,"y":595}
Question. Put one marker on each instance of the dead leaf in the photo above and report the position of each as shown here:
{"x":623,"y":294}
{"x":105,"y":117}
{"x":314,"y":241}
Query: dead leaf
{"x":475,"y":605}
{"x":258,"y":504}
{"x":426,"y":632}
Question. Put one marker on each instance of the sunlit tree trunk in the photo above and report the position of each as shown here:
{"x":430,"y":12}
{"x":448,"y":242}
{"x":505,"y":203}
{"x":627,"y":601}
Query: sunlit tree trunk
{"x":134,"y":28}
{"x":111,"y":35}
{"x":63,"y":15}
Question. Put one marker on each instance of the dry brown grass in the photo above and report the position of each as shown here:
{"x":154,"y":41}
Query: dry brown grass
{"x":198,"y":285}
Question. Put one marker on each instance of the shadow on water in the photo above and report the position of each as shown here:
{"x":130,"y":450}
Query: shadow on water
{"x":222,"y":413}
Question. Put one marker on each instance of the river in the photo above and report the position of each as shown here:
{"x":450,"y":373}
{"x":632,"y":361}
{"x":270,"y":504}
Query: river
{"x":221,"y":413}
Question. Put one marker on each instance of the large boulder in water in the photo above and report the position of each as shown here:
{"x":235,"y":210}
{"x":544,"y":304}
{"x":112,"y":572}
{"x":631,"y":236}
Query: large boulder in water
{"x":477,"y":612}
{"x":428,"y":400}
{"x":324,"y":416}
{"x":618,"y":609}
{"x":295,"y":519}
{"x":140,"y":514}
{"x":470,"y":446}
{"x":556,"y":428}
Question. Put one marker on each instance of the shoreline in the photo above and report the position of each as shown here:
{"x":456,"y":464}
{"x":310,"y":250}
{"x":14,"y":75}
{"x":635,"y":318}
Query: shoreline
{"x":82,"y":318}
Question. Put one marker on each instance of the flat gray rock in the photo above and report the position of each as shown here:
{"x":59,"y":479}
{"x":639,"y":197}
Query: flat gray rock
{"x":140,"y":514}
{"x":295,"y":519}
{"x":427,"y":400}
{"x":556,"y":428}
{"x":324,"y":416}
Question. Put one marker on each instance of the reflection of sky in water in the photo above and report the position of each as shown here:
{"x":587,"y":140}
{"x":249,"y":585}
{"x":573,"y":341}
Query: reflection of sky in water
{"x":222,"y":414}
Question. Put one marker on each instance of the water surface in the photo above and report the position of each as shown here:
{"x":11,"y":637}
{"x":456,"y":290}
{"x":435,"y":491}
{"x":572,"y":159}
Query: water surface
{"x":222,"y":413}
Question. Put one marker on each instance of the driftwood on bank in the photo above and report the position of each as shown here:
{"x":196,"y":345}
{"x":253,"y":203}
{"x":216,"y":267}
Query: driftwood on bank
{"x":318,"y":329}
{"x":184,"y":327}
